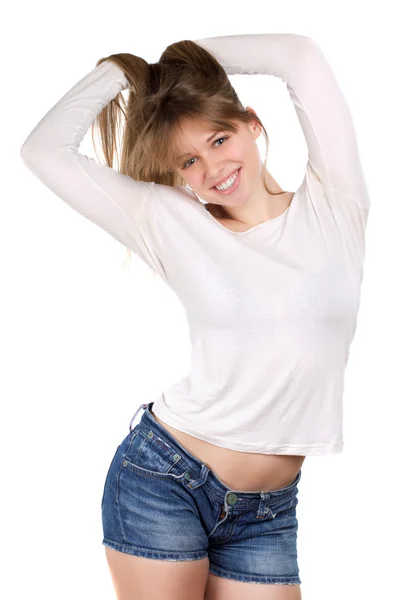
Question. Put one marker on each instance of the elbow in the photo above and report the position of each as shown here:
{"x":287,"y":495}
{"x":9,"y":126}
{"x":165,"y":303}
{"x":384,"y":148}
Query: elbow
{"x":26,"y":148}
{"x":31,"y":153}
{"x":24,"y":151}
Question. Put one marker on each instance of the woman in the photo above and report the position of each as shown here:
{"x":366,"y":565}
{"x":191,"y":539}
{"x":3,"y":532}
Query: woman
{"x":200,"y":497}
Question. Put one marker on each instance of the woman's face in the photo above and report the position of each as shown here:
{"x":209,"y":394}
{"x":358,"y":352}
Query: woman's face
{"x":208,"y":160}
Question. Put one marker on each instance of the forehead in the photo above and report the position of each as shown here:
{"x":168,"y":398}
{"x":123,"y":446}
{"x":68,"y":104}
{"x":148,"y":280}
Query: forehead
{"x":193,"y":130}
{"x":190,"y":135}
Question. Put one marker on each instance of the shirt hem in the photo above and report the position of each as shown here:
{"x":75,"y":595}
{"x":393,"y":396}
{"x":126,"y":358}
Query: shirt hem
{"x":290,"y":449}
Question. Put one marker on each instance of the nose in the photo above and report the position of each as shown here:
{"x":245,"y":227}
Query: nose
{"x":213,"y":173}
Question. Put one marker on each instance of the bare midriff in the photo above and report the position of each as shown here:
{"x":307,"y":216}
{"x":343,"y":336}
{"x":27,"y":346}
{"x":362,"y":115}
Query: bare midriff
{"x":240,"y":471}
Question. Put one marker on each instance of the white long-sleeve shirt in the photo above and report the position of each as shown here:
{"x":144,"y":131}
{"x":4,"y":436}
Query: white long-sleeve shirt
{"x":272,"y":311}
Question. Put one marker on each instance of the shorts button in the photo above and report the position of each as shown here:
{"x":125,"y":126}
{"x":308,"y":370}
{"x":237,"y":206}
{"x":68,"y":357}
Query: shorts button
{"x":125,"y":462}
{"x":150,"y":434}
{"x":232,"y":499}
{"x":187,"y":476}
{"x":176,"y":456}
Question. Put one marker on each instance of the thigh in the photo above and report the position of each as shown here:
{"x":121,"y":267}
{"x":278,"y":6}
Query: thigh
{"x":142,"y":578}
{"x":219,"y":588}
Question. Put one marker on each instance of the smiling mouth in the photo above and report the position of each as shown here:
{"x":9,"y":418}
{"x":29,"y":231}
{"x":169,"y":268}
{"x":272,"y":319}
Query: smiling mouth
{"x":233,"y":187}
{"x":226,"y":178}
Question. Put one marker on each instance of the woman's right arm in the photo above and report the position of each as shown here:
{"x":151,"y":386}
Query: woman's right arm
{"x":101,"y":194}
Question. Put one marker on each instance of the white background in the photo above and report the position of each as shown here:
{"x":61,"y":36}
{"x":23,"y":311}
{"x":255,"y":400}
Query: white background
{"x":85,"y":340}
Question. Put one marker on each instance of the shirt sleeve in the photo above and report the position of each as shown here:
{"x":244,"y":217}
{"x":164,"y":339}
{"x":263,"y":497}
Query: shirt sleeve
{"x":103,"y":195}
{"x":322,"y":110}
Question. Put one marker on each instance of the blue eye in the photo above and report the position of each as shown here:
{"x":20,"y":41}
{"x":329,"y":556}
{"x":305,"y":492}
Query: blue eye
{"x":219,"y":139}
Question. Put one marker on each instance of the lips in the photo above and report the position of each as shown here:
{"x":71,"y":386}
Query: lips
{"x":225,"y":178}
{"x":232,"y":189}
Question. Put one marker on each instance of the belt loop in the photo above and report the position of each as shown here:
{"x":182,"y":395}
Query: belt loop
{"x":133,"y":418}
{"x":195,"y":483}
{"x":264,"y":510}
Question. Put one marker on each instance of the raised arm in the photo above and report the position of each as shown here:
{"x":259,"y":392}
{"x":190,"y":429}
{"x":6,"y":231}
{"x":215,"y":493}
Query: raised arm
{"x":320,"y":105}
{"x":103,"y":195}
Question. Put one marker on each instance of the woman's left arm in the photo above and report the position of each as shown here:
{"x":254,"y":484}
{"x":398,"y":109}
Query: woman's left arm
{"x":321,"y":107}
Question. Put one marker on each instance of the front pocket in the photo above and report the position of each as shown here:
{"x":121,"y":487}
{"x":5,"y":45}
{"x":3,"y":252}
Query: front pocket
{"x":286,"y":499}
{"x":285,"y":506}
{"x":152,"y":456}
{"x":174,"y":472}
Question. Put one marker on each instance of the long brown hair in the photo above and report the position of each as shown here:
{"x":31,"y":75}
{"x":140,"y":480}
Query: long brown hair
{"x":186,"y":83}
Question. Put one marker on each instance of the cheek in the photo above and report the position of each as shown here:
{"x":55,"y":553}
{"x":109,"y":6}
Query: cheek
{"x":243,"y":156}
{"x":192,"y":182}
{"x":249,"y":153}
{"x":194,"y":179}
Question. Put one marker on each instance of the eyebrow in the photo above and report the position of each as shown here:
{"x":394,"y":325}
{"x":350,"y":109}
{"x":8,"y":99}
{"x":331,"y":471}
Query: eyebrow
{"x":209,"y":139}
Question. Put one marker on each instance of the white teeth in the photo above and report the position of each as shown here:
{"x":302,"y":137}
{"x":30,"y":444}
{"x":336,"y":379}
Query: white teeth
{"x":228,"y":183}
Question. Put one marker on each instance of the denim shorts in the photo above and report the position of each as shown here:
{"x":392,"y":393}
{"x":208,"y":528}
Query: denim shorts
{"x":161,"y":502}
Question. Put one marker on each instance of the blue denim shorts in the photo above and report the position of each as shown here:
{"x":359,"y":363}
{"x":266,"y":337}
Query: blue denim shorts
{"x":163,"y":503}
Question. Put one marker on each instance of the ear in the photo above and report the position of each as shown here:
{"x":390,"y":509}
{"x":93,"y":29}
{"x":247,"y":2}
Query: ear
{"x":254,"y":126}
{"x":249,"y":109}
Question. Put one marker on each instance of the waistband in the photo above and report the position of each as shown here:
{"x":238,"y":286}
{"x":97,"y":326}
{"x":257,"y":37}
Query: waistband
{"x":201,"y":474}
